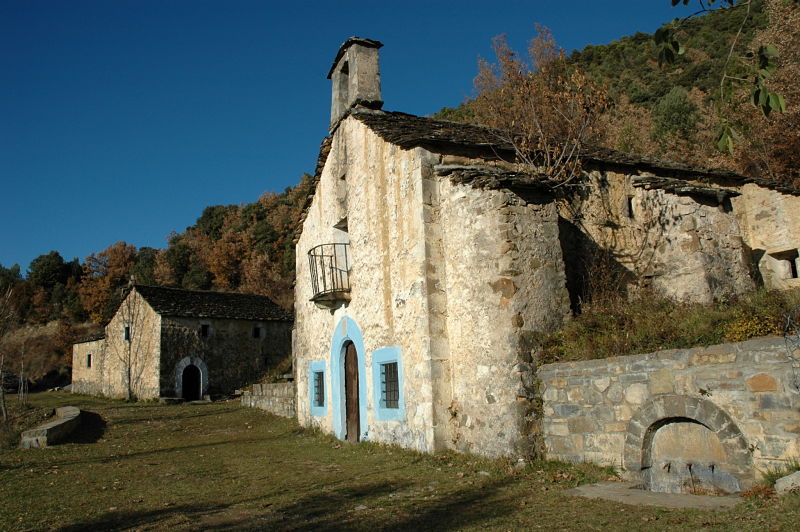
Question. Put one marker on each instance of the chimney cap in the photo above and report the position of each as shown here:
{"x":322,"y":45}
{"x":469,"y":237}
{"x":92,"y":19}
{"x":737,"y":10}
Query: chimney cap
{"x":369,"y":43}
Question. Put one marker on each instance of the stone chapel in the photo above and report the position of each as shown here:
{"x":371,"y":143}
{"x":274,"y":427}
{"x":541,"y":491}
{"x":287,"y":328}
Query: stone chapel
{"x":428,"y":265}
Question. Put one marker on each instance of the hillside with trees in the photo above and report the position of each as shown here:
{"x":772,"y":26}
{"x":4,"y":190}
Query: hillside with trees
{"x":677,"y":110}
{"x":233,"y":248}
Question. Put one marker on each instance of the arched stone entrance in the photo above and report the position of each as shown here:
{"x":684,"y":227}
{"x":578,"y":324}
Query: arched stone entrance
{"x":191,"y":378}
{"x":682,"y":444}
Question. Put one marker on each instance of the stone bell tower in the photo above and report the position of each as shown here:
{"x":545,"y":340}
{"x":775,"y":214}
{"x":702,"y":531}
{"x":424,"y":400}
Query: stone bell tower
{"x":355,"y":77}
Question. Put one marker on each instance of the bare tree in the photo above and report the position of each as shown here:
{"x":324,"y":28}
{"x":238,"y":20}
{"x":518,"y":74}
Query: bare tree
{"x":543,"y":107}
{"x":133,"y":349}
{"x":6,"y":322}
{"x":22,"y":387}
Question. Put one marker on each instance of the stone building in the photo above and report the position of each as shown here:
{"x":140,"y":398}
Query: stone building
{"x":429,"y":265}
{"x":167,"y":342}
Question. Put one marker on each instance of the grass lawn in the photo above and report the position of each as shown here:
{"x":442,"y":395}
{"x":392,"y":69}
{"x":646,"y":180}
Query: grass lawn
{"x":220,"y":466}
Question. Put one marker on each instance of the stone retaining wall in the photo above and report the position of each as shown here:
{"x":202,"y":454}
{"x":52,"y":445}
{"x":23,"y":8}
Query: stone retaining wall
{"x":743,"y":396}
{"x":277,"y":398}
{"x":67,"y":420}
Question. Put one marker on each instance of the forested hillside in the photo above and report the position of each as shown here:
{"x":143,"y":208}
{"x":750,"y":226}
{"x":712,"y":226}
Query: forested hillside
{"x":236,"y":248}
{"x":675,"y":111}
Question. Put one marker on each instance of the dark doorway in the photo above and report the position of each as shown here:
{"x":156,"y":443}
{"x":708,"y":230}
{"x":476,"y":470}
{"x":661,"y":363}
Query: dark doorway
{"x":191,"y":383}
{"x":351,"y":393}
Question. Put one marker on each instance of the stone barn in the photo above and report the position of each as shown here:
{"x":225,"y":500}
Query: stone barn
{"x":167,"y":342}
{"x":429,"y":265}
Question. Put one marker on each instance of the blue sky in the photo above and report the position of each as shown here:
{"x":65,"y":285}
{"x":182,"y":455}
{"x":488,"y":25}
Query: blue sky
{"x":123,"y":119}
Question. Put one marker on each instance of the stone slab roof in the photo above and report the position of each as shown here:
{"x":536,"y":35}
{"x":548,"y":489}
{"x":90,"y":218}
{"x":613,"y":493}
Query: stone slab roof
{"x":441,"y":136}
{"x":681,"y":187}
{"x":204,"y":304}
{"x":370,"y":43}
{"x":91,"y":338}
{"x":409,"y":131}
{"x":482,"y":176}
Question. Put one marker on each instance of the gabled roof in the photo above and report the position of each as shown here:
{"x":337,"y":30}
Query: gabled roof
{"x":204,"y":304}
{"x":444,"y":137}
{"x":409,"y":131}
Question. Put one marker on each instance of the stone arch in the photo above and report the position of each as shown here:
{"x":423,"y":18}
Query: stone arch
{"x":181,"y":365}
{"x":666,"y":409}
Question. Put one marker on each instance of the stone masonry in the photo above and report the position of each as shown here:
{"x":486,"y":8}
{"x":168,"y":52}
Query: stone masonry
{"x":610,"y":411}
{"x":276,"y":398}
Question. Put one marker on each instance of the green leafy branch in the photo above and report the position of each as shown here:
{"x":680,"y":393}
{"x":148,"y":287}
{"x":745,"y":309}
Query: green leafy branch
{"x":670,"y":47}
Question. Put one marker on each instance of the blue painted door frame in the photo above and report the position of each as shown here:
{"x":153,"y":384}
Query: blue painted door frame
{"x":347,"y":330}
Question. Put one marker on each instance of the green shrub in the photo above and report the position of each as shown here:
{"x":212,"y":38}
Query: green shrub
{"x":770,"y":475}
{"x":613,"y":325}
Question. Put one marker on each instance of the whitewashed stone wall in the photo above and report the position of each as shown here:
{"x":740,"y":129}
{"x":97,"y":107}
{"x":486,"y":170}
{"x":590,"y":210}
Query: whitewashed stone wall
{"x":452,"y":275}
{"x":138,"y":356}
{"x":746,"y":393}
{"x":383,"y":190}
{"x":86,"y":379}
{"x":504,"y":280}
{"x":770,"y":223}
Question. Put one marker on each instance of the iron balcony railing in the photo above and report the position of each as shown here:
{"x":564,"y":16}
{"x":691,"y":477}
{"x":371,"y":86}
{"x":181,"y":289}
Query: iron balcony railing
{"x":330,"y":271}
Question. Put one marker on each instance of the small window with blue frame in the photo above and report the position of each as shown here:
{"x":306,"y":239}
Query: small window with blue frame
{"x":390,"y":391}
{"x":387,"y":384}
{"x":317,"y":388}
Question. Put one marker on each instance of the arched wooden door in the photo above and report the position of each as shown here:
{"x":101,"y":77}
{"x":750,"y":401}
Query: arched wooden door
{"x":351,"y":393}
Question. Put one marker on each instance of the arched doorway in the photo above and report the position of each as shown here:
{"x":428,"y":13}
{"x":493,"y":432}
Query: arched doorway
{"x":351,"y":399}
{"x":348,"y":382}
{"x":192,"y":383}
{"x":191,"y":378}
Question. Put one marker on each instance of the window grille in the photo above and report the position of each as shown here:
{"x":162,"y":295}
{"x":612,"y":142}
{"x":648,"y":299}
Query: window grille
{"x":319,"y":388}
{"x":390,"y":388}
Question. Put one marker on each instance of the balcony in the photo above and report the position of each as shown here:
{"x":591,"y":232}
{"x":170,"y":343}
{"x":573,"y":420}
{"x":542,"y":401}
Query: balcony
{"x":330,"y":274}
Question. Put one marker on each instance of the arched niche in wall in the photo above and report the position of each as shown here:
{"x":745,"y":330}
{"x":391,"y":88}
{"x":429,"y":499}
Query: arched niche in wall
{"x":687,"y":445}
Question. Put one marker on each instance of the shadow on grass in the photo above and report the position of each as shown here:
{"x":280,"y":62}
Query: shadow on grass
{"x":368,"y":506}
{"x":134,"y":519}
{"x":91,"y":429}
{"x":376,"y":506}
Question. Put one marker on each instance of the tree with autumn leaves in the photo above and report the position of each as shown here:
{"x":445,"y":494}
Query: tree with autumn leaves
{"x":105,"y":274}
{"x":723,"y":94}
{"x":238,"y":248}
{"x":542,"y":106}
